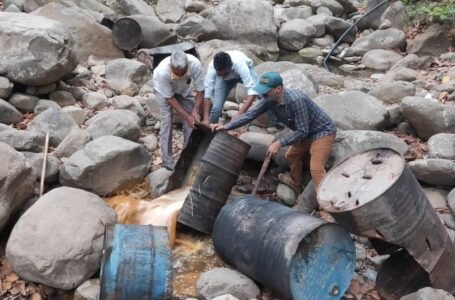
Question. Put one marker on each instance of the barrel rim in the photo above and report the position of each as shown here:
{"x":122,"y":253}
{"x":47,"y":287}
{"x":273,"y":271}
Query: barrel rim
{"x":330,"y":208}
{"x":119,"y":43}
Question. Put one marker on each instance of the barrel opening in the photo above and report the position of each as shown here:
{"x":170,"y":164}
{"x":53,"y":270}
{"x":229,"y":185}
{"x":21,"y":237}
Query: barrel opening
{"x":349,"y":194}
{"x":376,"y":161}
{"x":367,"y":177}
{"x":429,"y":245}
{"x":357,"y":202}
{"x":345,"y":175}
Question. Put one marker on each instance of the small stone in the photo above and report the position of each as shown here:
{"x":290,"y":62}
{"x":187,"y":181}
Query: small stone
{"x":229,"y":105}
{"x":150,"y":142}
{"x":427,"y":294}
{"x":437,"y":197}
{"x":8,"y":113}
{"x":360,"y":252}
{"x":286,"y":194}
{"x":378,"y":260}
{"x":94,"y":100}
{"x":78,"y":114}
{"x":449,"y":221}
{"x":43,"y":105}
{"x":89,"y":290}
{"x":62,"y":98}
{"x":23,"y":102}
{"x":6,"y":87}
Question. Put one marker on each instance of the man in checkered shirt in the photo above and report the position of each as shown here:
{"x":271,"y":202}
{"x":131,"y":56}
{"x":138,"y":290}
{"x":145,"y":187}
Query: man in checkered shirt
{"x":313,"y":132}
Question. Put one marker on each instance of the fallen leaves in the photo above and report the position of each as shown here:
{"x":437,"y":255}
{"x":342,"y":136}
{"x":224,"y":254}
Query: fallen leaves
{"x":417,"y":149}
{"x":22,"y":124}
{"x":13,"y":287}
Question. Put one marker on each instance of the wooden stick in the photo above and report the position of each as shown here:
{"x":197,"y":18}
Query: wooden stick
{"x":265,"y":164}
{"x":43,"y":169}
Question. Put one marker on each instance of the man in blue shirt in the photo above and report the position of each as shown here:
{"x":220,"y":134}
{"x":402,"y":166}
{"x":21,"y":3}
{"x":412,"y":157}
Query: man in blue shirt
{"x":313,"y":132}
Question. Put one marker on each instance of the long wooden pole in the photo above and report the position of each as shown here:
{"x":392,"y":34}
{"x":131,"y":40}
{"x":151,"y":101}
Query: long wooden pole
{"x":43,"y":169}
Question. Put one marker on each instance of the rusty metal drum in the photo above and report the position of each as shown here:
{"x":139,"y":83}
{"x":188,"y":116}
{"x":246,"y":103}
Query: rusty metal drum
{"x":214,"y":178}
{"x":126,"y":34}
{"x":136,"y":264}
{"x":294,"y":254}
{"x":375,"y":194}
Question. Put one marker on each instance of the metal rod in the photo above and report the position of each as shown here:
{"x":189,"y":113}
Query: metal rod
{"x":348,"y":30}
{"x":261,"y":173}
{"x":43,"y":169}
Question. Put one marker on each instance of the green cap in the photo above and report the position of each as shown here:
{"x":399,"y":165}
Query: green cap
{"x":268,"y":81}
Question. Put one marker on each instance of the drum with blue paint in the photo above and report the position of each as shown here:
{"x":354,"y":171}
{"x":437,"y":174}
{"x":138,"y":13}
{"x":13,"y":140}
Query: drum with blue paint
{"x":137,"y":263}
{"x":296,"y":255}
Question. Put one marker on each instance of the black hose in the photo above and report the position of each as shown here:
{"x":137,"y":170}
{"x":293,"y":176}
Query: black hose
{"x":348,"y":30}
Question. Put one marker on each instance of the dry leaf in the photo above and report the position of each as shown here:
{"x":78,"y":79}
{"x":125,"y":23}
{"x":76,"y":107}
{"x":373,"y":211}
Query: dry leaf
{"x":446,"y":79}
{"x":354,"y":288}
{"x":36,"y":296}
{"x":12,"y":277}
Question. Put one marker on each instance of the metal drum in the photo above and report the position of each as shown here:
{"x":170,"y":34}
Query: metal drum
{"x":214,"y":178}
{"x":126,"y":34}
{"x":374,"y":194}
{"x":137,"y":263}
{"x":294,"y":254}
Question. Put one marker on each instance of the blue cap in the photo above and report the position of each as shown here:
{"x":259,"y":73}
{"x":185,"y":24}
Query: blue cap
{"x":268,"y":81}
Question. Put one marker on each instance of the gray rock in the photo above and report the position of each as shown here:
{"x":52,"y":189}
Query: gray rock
{"x":195,"y":6}
{"x":391,"y":92}
{"x":72,"y":223}
{"x":197,"y":27}
{"x":4,"y":127}
{"x":43,"y":105}
{"x":222,"y":281}
{"x":158,"y":181}
{"x":310,"y":54}
{"x":129,"y":103}
{"x":94,"y":100}
{"x":449,"y":220}
{"x":154,"y":32}
{"x":336,"y":8}
{"x":73,"y":142}
{"x":307,"y":201}
{"x":433,"y":41}
{"x":90,"y":37}
{"x":39,"y":49}
{"x":246,"y":21}
{"x":451,"y":201}
{"x":285,"y":14}
{"x":62,"y":98}
{"x":295,"y":2}
{"x":324,"y":11}
{"x":13,"y":9}
{"x":428,"y":293}
{"x":226,"y":297}
{"x":105,"y":165}
{"x":89,"y":290}
{"x":259,"y":143}
{"x":135,"y":7}
{"x":356,"y":85}
{"x":8,"y":113}
{"x":373,"y":20}
{"x":412,"y":61}
{"x":119,"y":122}
{"x":286,"y":194}
{"x":323,"y":42}
{"x":17,"y":182}
{"x":23,"y":102}
{"x":360,"y":253}
{"x":126,"y":76}
{"x":150,"y":142}
{"x":354,"y":110}
{"x":401,"y":73}
{"x":41,"y":90}
{"x":449,"y":56}
{"x":318,"y":22}
{"x":379,"y":39}
{"x":437,"y":197}
{"x":428,"y":116}
{"x":52,"y":166}
{"x":348,"y":6}
{"x":6,"y":87}
{"x":395,"y":115}
{"x":170,"y":11}
{"x":23,"y":140}
{"x":434,"y":171}
{"x":337,"y":26}
{"x":55,"y":122}
{"x":296,"y":79}
{"x":396,"y":13}
{"x":380,"y":59}
{"x":78,"y":114}
{"x":76,"y":91}
{"x":351,"y":142}
{"x":442,"y":145}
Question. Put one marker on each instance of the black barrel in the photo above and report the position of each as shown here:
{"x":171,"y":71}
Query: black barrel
{"x":214,"y":178}
{"x":126,"y":34}
{"x":294,"y":254}
{"x":374,"y":194}
{"x":137,"y":263}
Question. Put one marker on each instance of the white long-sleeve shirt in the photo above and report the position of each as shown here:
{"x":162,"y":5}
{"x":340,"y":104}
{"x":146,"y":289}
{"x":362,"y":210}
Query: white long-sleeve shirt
{"x":241,"y":65}
{"x":165,"y":84}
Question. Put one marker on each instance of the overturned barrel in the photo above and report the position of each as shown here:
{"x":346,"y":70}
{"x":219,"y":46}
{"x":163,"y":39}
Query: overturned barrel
{"x":136,"y":264}
{"x":217,"y":173}
{"x":374,"y":194}
{"x":296,"y":255}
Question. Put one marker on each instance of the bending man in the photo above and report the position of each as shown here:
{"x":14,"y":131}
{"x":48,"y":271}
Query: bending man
{"x":173,"y":79}
{"x":313,"y":130}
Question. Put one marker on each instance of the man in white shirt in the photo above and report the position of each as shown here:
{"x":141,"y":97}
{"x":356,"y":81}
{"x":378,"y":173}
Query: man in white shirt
{"x":224,"y":72}
{"x":173,"y":80}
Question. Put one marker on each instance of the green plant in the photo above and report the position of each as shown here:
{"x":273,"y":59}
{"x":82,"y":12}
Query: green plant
{"x":442,"y":11}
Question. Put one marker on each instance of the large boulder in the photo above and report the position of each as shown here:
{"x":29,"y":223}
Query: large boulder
{"x":284,"y":14}
{"x":433,"y":41}
{"x":259,"y":143}
{"x":295,"y":34}
{"x":380,"y":39}
{"x":391,"y":92}
{"x":395,"y":13}
{"x":337,"y":27}
{"x":73,"y":142}
{"x":428,"y":116}
{"x":434,"y":171}
{"x":55,"y":122}
{"x":23,"y":140}
{"x":154,"y":32}
{"x":135,"y":7}
{"x":334,"y":6}
{"x":129,"y":103}
{"x":170,"y":11}
{"x":106,"y":165}
{"x":401,"y":74}
{"x":373,"y":20}
{"x":380,"y":59}
{"x":119,"y":122}
{"x":441,"y":145}
{"x":90,"y":37}
{"x":296,"y":79}
{"x":35,"y":50}
{"x":17,"y":182}
{"x":52,"y":166}
{"x":248,"y":21}
{"x":8,"y":113}
{"x":126,"y":76}
{"x":158,"y":181}
{"x":352,"y":142}
{"x":59,"y":240}
{"x":197,"y":27}
{"x":354,"y":110}
{"x":413,"y":61}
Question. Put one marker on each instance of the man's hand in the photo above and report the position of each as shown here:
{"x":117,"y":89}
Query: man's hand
{"x":206,"y":121}
{"x":273,"y":149}
{"x":217,"y":127}
{"x":190,"y":121}
{"x":196,"y":116}
{"x":237,"y":114}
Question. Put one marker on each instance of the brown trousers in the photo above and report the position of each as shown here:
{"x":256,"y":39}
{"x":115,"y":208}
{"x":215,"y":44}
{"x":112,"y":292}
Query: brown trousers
{"x":319,"y":151}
